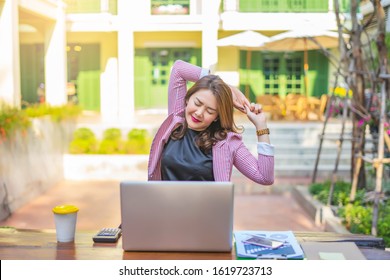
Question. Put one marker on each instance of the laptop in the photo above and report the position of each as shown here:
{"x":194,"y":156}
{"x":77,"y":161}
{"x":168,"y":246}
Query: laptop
{"x":177,"y":216}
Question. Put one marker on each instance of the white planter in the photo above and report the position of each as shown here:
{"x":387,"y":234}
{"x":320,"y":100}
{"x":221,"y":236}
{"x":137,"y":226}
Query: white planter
{"x":105,"y":167}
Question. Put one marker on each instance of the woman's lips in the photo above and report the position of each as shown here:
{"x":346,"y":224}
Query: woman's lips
{"x":195,"y":120}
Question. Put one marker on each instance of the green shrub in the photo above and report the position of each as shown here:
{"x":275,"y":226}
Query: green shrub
{"x":83,"y":133}
{"x":37,"y":110}
{"x":357,"y":218}
{"x":57,"y":113}
{"x":112,"y":142}
{"x":84,"y":142}
{"x":138,"y":142}
{"x":384,"y":223}
{"x":356,"y":215}
{"x":139,"y":134}
{"x":112,"y":134}
{"x":12,"y":120}
{"x":320,"y":191}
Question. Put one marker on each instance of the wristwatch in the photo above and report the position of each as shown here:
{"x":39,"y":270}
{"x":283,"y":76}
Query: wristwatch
{"x":262,"y":131}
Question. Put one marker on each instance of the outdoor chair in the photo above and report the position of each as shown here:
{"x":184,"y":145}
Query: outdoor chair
{"x":271,"y":104}
{"x":316,"y":107}
{"x":296,"y":106}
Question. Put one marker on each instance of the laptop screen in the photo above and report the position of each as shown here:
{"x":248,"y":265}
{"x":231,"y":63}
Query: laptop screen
{"x":177,"y":215}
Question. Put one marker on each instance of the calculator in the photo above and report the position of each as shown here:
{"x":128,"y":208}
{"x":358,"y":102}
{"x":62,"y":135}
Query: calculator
{"x":107,"y":235}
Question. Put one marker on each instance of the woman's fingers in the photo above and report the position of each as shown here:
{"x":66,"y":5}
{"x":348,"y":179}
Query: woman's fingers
{"x":246,"y":102}
{"x":256,"y":108}
{"x":256,"y":115}
{"x":259,"y":108}
{"x":239,"y":106}
{"x":240,"y":102}
{"x":239,"y":99}
{"x":248,"y":110}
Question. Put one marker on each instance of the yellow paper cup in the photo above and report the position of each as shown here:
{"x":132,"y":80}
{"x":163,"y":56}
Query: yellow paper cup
{"x":65,"y":217}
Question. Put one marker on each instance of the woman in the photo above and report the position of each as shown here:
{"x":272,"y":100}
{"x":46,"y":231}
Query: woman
{"x":199,"y":140}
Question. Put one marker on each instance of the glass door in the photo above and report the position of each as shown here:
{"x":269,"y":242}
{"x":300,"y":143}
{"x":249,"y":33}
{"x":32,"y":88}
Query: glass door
{"x":159,"y":76}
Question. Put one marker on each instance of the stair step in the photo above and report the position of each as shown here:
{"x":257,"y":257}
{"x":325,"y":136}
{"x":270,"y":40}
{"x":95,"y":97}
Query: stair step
{"x":322,"y":167}
{"x":292,"y":161}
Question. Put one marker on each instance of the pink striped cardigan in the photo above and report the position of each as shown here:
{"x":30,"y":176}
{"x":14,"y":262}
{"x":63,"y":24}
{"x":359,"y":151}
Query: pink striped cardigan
{"x":226,"y":153}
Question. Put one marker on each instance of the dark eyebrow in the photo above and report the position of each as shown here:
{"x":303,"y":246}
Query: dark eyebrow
{"x":197,"y":99}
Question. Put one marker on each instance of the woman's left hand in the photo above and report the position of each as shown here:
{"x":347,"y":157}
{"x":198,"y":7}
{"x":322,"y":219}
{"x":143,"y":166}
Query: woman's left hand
{"x":256,"y":115}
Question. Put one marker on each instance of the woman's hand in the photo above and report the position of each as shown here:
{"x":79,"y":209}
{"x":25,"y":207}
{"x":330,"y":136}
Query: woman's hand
{"x":256,"y":115}
{"x":239,"y":100}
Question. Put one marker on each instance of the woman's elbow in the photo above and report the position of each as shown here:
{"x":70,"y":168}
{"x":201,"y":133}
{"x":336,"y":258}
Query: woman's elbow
{"x":178,"y":63}
{"x":268,"y":181}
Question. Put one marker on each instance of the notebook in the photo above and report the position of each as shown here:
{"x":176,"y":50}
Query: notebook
{"x":332,"y":251}
{"x":177,"y":216}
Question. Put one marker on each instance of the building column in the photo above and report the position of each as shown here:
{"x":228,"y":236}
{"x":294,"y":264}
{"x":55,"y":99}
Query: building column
{"x":10,"y":92}
{"x":126,"y":107}
{"x":109,"y":103}
{"x":55,"y":60}
{"x":232,"y":5}
{"x":210,"y":27}
{"x":330,"y":6}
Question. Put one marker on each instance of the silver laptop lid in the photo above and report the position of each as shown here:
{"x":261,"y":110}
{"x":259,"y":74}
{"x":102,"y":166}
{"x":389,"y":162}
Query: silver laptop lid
{"x":177,"y":216}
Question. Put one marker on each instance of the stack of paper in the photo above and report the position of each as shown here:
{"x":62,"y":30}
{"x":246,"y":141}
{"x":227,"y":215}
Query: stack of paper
{"x":289,"y":250}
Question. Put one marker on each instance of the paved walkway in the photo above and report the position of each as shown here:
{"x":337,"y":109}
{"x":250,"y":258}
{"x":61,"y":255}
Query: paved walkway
{"x":256,"y":207}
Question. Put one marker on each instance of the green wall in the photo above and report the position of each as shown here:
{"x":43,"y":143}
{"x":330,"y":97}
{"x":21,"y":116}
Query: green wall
{"x":84,"y":70}
{"x":32,"y":71}
{"x":152,"y":71}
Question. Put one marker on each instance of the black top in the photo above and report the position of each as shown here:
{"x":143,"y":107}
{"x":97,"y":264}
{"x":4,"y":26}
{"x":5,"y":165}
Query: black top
{"x":183,"y":160}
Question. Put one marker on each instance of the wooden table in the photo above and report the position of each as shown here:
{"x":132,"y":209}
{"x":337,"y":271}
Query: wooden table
{"x":25,"y":244}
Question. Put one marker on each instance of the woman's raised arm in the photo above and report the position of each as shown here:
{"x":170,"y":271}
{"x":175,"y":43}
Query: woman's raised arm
{"x":182,"y":72}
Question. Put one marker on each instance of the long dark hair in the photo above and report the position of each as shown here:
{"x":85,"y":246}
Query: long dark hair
{"x":218,"y":129}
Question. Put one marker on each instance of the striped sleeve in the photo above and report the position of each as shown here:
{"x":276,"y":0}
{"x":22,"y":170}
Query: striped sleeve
{"x":181,"y":73}
{"x":259,"y":170}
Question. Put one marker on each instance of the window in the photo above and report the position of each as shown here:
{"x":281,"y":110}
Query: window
{"x":283,"y":6}
{"x":271,"y":75}
{"x":293,"y":74}
{"x":170,"y":7}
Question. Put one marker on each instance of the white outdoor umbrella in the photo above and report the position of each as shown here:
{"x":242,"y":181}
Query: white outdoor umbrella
{"x":245,"y":40}
{"x":303,"y":40}
{"x":248,"y":40}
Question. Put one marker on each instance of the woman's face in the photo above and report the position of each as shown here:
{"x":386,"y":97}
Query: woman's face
{"x":201,"y":110}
